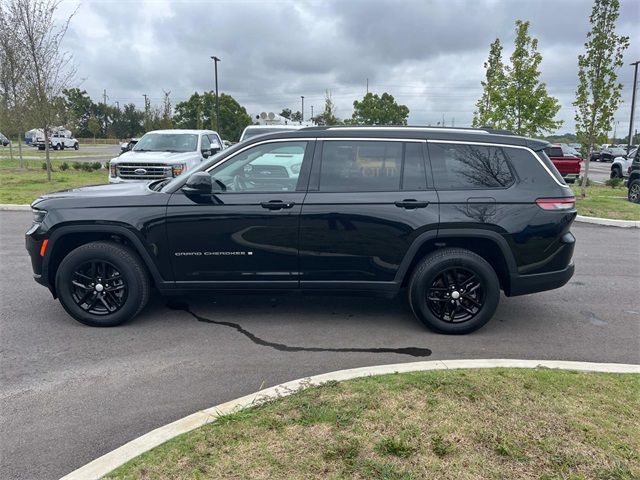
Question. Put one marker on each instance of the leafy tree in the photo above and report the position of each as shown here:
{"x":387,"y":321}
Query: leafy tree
{"x":379,"y":110}
{"x":490,"y":105}
{"x":199,"y":110}
{"x":286,"y":113}
{"x":296,"y":116}
{"x":598,"y":93}
{"x":528,"y":108}
{"x":328,"y":116}
{"x":94,"y":126}
{"x":128,"y":122}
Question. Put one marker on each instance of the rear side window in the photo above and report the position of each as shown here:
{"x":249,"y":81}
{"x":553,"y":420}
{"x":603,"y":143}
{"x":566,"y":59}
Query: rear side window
{"x":550,"y":166}
{"x":360,"y":166}
{"x":554,"y":152}
{"x":467,"y":167}
{"x":413,"y":172}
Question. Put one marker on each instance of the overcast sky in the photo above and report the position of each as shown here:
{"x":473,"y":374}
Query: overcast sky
{"x":428,"y":54}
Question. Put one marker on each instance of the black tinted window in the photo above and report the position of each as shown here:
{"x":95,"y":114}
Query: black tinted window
{"x":413,"y":173}
{"x":458,"y":166}
{"x":554,"y":152}
{"x":360,"y":166}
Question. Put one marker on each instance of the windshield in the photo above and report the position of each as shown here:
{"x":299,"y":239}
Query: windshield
{"x":251,"y":132}
{"x":167,"y":142}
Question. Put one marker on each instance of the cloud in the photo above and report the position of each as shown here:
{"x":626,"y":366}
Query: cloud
{"x":428,"y":54}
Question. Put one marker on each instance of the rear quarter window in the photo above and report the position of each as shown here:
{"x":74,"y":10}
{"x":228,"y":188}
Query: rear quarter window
{"x":468,"y":167}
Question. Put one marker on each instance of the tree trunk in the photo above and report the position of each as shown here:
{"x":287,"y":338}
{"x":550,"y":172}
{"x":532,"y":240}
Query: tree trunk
{"x":46,"y":154}
{"x":22,"y":164}
{"x":10,"y":149}
{"x":585,"y":177}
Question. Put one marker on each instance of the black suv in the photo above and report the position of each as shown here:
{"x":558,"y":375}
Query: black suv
{"x":451,"y":216}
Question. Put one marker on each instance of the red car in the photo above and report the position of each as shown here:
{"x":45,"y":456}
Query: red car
{"x":568,"y":165}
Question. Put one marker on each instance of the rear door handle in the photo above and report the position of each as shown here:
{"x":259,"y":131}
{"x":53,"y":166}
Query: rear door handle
{"x":411,"y":204}
{"x":277,"y":204}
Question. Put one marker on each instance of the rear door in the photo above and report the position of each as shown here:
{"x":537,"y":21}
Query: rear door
{"x":367,"y":202}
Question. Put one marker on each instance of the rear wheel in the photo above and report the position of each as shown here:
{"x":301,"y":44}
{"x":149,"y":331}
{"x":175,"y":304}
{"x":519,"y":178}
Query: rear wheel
{"x":62,"y":146}
{"x":76,"y":146}
{"x":102,"y":284}
{"x":616,"y":172}
{"x":454,"y":291}
{"x":634,"y":191}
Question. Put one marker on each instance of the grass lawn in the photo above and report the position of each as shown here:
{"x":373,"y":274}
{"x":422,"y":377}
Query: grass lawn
{"x":458,"y":424}
{"x":30,"y":152}
{"x":606,"y":202}
{"x":24,"y":186}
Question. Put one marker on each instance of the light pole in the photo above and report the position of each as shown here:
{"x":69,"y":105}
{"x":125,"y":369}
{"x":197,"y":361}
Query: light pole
{"x":615,"y":127}
{"x":215,"y":67}
{"x":633,"y":105}
{"x":302,"y":113}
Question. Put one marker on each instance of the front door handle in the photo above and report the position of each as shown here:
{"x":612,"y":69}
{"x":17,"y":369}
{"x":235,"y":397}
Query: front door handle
{"x":276,"y":204}
{"x":411,"y":204}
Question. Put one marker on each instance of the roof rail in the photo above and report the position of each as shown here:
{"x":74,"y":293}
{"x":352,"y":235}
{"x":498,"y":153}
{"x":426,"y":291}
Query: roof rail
{"x":497,"y":131}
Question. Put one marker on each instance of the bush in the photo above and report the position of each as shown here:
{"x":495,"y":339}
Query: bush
{"x":77,"y":166}
{"x":87,"y":167}
{"x":96,"y":165}
{"x":44,"y":165}
{"x":64,"y":167}
{"x":579,"y":181}
{"x":614,"y":182}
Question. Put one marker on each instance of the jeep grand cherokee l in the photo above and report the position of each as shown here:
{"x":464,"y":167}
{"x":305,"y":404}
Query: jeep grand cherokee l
{"x":449,"y":216}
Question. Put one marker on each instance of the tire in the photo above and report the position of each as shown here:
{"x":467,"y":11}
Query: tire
{"x":445,"y":264}
{"x":76,"y":146}
{"x":616,"y":172}
{"x":128,"y":293}
{"x":634,"y":191}
{"x":62,"y":146}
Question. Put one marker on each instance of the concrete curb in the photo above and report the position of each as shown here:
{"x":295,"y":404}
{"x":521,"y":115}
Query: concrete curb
{"x":12,"y":207}
{"x":110,"y":461}
{"x":609,"y":222}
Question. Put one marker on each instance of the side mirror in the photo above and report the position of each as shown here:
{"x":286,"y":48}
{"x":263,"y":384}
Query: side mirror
{"x":198,"y":183}
{"x":215,"y":147}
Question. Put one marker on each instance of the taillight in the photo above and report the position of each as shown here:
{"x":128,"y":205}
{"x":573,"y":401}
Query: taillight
{"x":557,"y":204}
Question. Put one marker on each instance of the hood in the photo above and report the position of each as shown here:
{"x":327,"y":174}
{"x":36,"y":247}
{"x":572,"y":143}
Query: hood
{"x":155,"y":157}
{"x":81,"y":195}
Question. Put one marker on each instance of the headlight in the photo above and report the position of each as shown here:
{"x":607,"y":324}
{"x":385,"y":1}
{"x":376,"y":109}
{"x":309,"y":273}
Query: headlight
{"x":112,"y":169}
{"x":38,"y":215}
{"x":295,"y":168}
{"x":178,"y":169}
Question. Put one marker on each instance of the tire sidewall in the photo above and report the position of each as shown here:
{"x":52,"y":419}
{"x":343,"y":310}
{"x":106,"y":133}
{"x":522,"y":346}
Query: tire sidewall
{"x":63,"y":287}
{"x":425,"y":278}
{"x":635,"y":183}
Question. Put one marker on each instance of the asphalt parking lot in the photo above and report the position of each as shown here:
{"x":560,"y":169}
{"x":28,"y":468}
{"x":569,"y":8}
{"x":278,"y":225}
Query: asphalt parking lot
{"x":599,"y":171}
{"x":70,"y":393}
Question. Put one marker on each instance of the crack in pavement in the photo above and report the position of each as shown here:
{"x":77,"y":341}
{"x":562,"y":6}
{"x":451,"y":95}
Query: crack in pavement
{"x":412,"y":351}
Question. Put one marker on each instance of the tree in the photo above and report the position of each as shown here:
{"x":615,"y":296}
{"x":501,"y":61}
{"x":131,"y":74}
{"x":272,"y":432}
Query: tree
{"x":598,"y":93}
{"x":296,"y":117}
{"x":328,"y":115}
{"x":39,"y":39}
{"x":286,"y":113}
{"x":379,"y":110}
{"x":528,"y":109}
{"x":94,"y":126}
{"x":165,"y":121}
{"x":128,"y":122}
{"x":199,"y":110}
{"x":490,"y":105}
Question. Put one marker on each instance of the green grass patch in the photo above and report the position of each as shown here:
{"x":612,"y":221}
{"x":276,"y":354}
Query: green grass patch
{"x":606,"y":202}
{"x":30,"y":153}
{"x":520,"y":424}
{"x":23,"y":186}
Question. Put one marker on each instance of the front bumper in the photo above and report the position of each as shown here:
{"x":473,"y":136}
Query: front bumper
{"x":33,"y":244}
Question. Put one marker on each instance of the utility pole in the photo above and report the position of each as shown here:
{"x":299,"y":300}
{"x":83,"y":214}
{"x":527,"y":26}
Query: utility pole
{"x":146,"y":111}
{"x":118,"y":105}
{"x":215,"y":66}
{"x":633,"y":104}
{"x":104,"y":102}
{"x":311,"y":112}
{"x":302,"y":113}
{"x":367,"y":85}
{"x":615,"y":126}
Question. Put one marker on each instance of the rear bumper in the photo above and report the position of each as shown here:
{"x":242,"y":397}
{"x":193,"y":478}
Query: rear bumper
{"x":539,"y":282}
{"x":570,"y":177}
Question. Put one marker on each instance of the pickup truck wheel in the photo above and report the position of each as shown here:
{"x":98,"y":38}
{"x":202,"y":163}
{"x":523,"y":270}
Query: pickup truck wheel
{"x":634,"y":191}
{"x":454,"y":291}
{"x":102,"y":284}
{"x":76,"y":146}
{"x":616,"y":172}
{"x":62,"y":146}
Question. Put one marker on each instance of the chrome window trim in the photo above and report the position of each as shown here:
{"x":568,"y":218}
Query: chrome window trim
{"x":502,"y":145}
{"x":370,"y":139}
{"x":413,"y":129}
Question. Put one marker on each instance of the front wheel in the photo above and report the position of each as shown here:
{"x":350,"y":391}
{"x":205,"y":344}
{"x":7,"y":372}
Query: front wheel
{"x":454,"y":291}
{"x":76,"y":146}
{"x":616,"y":172}
{"x":102,"y":284}
{"x":634,"y":191}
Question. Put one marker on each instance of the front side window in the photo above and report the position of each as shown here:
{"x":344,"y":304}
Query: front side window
{"x":167,"y":142}
{"x":360,"y":166}
{"x":270,"y":167}
{"x":465,"y":166}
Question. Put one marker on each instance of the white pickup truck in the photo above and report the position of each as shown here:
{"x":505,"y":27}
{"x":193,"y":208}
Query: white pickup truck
{"x":164,"y":154}
{"x":57,"y":141}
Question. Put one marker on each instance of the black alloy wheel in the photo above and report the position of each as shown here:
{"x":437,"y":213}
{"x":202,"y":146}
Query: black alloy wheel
{"x":456,"y":295}
{"x":99,"y":288}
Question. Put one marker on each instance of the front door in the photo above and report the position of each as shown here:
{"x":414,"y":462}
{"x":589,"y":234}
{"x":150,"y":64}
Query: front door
{"x":368,"y":201}
{"x":246,"y":236}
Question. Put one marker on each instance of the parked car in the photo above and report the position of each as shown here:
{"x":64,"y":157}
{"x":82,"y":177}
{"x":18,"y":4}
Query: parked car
{"x":4,"y":141}
{"x":633,"y":182}
{"x":126,"y":146}
{"x":60,"y":141}
{"x":326,"y":209}
{"x":621,"y":164}
{"x":164,"y":154}
{"x":610,"y":153}
{"x":255,"y":130}
{"x":568,"y":165}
